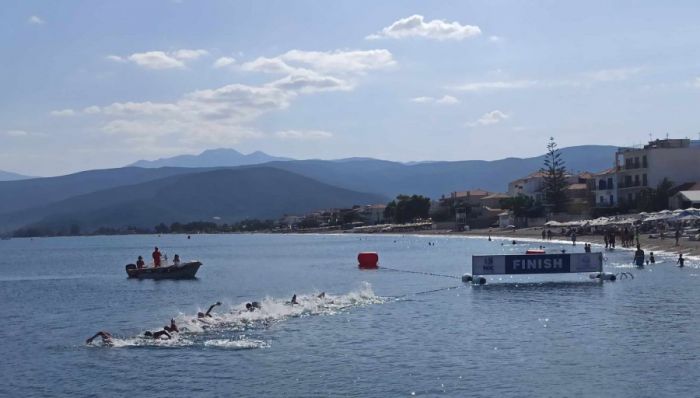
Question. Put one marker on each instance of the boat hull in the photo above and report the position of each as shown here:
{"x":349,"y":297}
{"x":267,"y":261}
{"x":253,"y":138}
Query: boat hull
{"x":183,"y":271}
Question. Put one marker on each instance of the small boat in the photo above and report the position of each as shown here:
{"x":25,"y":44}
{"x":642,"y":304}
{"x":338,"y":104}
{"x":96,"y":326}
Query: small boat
{"x":183,"y":271}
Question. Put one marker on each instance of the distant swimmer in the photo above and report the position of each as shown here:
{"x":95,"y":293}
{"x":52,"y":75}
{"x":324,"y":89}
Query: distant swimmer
{"x":322,"y":295}
{"x":651,"y":258}
{"x":106,"y":338}
{"x":252,"y":306}
{"x":639,"y":257}
{"x":157,"y":335}
{"x":208,"y":313}
{"x":172,"y":328}
{"x":680,"y":260}
{"x":515,"y":243}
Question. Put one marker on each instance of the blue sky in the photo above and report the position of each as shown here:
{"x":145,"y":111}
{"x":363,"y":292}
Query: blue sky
{"x":89,"y":84}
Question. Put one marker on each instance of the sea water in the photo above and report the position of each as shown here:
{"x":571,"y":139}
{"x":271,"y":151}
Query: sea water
{"x":377,"y":333}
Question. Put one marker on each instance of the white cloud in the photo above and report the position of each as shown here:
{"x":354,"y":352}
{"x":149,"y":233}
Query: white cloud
{"x":36,"y":20}
{"x":16,"y":133}
{"x":224,"y":62}
{"x":445,"y":100}
{"x":495,"y":85}
{"x":186,"y":54}
{"x":608,"y":75}
{"x":304,"y":135}
{"x":91,"y":110}
{"x":155,"y":60}
{"x":328,"y":62}
{"x":309,"y":82}
{"x":489,"y":118}
{"x":115,"y":58}
{"x":161,"y":59}
{"x":63,"y":113}
{"x":495,"y":39}
{"x":416,"y":26}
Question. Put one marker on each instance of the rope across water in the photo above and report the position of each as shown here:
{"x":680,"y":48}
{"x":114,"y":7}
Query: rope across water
{"x":419,"y":272}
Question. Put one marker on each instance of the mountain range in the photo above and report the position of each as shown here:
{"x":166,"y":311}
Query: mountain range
{"x":221,"y":157}
{"x":10,"y":176}
{"x":146,"y":196}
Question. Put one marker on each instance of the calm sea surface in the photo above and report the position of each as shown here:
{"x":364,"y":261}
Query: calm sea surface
{"x":378,"y":333}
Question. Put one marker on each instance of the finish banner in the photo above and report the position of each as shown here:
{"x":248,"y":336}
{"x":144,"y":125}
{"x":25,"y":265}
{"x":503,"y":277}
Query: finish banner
{"x":537,"y":264}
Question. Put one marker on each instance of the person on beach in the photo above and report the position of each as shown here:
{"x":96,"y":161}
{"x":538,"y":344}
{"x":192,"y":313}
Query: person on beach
{"x":156,"y":258}
{"x":208,"y":313}
{"x":544,"y":234}
{"x":639,"y":257}
{"x":612,"y":239}
{"x":651,"y":258}
{"x":680,"y":260}
{"x":140,"y":263}
{"x":605,"y":239}
{"x":106,"y":338}
{"x":549,"y":234}
{"x":678,"y":235}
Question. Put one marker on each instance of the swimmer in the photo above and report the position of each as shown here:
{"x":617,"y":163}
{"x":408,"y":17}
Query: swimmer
{"x":157,"y":335}
{"x":651,"y":258}
{"x":172,"y":327}
{"x":294,"y":300}
{"x":322,"y":295}
{"x":106,"y":338}
{"x":208,"y":313}
{"x":680,"y":260}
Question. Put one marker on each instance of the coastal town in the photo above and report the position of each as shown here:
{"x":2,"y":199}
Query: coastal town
{"x":653,"y":189}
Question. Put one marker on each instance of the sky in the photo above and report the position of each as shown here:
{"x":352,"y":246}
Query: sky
{"x":95,"y":84}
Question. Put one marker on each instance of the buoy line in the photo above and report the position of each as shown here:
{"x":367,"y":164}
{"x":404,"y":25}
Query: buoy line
{"x":419,"y":272}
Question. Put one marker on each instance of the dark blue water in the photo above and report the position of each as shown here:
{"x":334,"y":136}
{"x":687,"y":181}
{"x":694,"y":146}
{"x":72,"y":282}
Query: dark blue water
{"x":378,"y":333}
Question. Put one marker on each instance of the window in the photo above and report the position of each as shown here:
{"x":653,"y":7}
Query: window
{"x":628,"y":181}
{"x":644,"y":180}
{"x":636,"y":180}
{"x":601,"y":184}
{"x":644,"y":161}
{"x":602,"y":200}
{"x":612,"y":201}
{"x":636,"y":162}
{"x":610,"y":183}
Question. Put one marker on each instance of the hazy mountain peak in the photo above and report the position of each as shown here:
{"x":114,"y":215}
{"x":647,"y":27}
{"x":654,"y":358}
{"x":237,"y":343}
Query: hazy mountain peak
{"x":218,"y":157}
{"x":10,"y":176}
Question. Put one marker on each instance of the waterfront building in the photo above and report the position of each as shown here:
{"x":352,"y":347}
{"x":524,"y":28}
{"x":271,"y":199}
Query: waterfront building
{"x":677,"y":160}
{"x":604,"y":188}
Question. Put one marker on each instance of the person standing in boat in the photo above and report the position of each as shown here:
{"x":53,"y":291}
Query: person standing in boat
{"x":156,"y":258}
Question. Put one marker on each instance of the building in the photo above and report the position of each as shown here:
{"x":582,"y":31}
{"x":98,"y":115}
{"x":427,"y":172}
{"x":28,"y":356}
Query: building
{"x":372,"y":214}
{"x":604,"y":188}
{"x":532,"y":186}
{"x":677,"y":160}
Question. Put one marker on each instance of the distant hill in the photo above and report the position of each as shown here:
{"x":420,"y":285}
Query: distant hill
{"x":438,"y":178}
{"x":222,"y":157}
{"x":17,"y":195}
{"x":10,"y":176}
{"x":225,"y":195}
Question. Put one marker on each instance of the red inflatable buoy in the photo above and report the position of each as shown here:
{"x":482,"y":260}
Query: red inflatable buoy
{"x":535,"y":251}
{"x":368,"y":260}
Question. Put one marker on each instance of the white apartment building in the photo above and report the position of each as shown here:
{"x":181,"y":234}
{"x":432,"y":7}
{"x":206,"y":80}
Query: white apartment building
{"x":605,"y":188}
{"x":678,"y":160}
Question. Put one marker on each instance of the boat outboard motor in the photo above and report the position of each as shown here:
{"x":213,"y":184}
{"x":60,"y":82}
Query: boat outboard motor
{"x":130,"y":267}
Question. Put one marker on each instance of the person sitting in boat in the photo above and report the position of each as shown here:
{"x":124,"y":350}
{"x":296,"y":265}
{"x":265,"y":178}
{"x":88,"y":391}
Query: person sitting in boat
{"x":208,"y":313}
{"x":172,"y":328}
{"x":176,"y":260}
{"x":140,"y":263}
{"x":106,"y":338}
{"x":156,"y":258}
{"x":157,"y":335}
